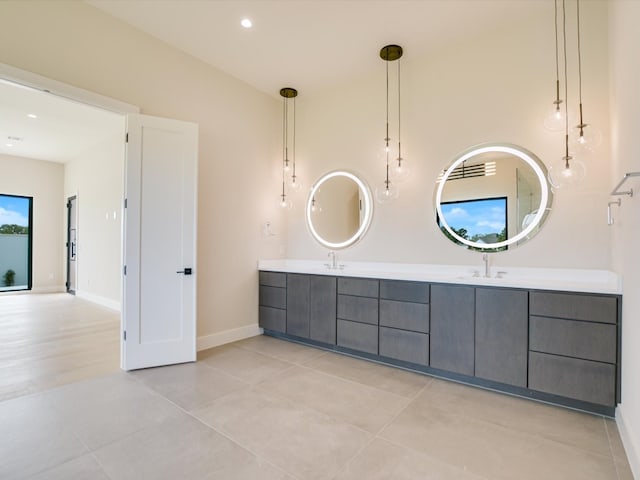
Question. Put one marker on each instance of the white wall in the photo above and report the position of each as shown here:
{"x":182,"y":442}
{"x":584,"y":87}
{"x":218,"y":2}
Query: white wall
{"x":492,"y":89}
{"x":625,"y":111}
{"x":239,"y":136}
{"x":44,"y":182}
{"x":96,"y":178}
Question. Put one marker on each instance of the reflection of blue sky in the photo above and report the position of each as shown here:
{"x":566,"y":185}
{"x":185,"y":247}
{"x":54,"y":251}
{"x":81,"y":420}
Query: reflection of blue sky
{"x":14,"y":211}
{"x":478,"y":216}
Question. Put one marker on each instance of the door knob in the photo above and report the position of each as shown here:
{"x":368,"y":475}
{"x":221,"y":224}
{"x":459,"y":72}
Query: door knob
{"x":186,"y":271}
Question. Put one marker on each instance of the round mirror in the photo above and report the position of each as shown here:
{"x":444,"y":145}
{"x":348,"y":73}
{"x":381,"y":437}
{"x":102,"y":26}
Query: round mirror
{"x":492,"y":196}
{"x":339,"y":209}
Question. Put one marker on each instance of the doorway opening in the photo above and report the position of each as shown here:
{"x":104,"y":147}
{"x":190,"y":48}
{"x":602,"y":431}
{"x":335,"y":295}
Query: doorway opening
{"x":16,"y":241}
{"x":72,"y":244}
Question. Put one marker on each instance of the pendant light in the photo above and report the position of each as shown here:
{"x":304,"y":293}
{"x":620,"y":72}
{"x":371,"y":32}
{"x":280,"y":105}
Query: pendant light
{"x":568,"y":171}
{"x":554,"y":120}
{"x":287,"y":165}
{"x":388,"y":191}
{"x":585,"y":137}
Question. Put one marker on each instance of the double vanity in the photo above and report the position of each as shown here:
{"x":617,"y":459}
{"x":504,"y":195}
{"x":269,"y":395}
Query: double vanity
{"x":551,"y":335}
{"x":546,"y":334}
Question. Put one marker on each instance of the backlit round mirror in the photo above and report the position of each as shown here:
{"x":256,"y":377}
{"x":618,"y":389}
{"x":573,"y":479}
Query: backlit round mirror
{"x":492,"y":197}
{"x":339,"y":209}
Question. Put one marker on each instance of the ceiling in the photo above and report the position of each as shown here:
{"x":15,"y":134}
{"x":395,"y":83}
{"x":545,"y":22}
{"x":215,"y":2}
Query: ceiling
{"x":313,"y":44}
{"x":306,"y":44}
{"x":62,"y":130}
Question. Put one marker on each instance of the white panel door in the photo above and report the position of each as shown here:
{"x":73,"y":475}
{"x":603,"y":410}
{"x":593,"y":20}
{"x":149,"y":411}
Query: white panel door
{"x":159,"y":298}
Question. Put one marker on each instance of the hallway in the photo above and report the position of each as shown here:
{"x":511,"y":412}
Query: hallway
{"x":48,"y":340}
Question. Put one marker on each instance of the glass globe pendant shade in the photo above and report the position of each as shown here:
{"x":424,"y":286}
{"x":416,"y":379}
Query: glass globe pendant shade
{"x":316,"y":207}
{"x":386,"y":192}
{"x":285,"y":202}
{"x":585,"y":139}
{"x":554,"y":120}
{"x":295,"y":184}
{"x":400,"y":170}
{"x":567,"y":173}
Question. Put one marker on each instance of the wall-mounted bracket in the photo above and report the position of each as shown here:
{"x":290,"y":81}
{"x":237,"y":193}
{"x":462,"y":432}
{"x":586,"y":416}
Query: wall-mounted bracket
{"x":609,"y":214}
{"x":624,"y":179}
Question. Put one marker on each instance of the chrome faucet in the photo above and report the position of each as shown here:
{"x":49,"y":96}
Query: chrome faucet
{"x":485,"y":259}
{"x":334,"y":260}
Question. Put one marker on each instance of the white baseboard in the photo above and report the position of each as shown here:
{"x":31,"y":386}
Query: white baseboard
{"x":631,"y":448}
{"x":228,"y":336}
{"x":104,"y":301}
{"x":52,"y":289}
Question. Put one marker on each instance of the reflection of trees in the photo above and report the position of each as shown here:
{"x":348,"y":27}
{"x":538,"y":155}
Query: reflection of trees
{"x":481,"y":238}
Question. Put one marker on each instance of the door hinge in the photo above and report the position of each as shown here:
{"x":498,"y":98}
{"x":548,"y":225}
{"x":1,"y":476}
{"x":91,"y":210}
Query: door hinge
{"x":125,"y":203}
{"x":124,"y":335}
{"x":124,"y":270}
{"x":126,"y":138}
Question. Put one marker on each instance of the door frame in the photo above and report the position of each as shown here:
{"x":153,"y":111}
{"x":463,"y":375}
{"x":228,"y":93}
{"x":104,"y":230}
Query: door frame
{"x":69,"y":245}
{"x":25,"y":79}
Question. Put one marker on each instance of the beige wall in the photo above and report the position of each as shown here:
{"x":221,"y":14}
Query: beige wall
{"x":239,"y":131}
{"x":44,"y":182}
{"x":625,"y":111}
{"x":492,"y":89}
{"x":96,"y":178}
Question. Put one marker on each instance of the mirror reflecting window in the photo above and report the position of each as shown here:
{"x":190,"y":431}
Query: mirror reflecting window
{"x":339,"y":209}
{"x":492,"y":197}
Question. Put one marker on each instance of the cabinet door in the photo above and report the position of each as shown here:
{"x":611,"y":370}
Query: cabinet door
{"x":501,"y":335}
{"x":298,"y":305}
{"x":322,"y":309}
{"x":452,"y":328}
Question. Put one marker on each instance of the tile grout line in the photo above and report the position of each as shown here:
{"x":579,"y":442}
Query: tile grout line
{"x":215,"y":429}
{"x":613,"y":457}
{"x":375,"y":436}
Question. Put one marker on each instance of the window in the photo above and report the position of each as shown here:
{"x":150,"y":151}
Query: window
{"x":16,"y":214}
{"x":482,"y":220}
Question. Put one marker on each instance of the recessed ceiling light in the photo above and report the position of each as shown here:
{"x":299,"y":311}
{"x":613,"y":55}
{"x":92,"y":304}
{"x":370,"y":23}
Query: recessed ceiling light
{"x":32,"y":115}
{"x":9,"y":144}
{"x":246,"y":23}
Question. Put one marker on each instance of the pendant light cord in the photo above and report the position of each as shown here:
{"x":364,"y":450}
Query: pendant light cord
{"x":293,"y":176}
{"x":386,"y":139}
{"x":284,"y":142}
{"x":566,"y":103}
{"x":555,"y":9}
{"x":582,"y":124}
{"x":399,"y":147}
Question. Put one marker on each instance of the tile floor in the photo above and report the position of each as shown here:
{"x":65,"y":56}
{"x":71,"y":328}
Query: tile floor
{"x":267,"y":409}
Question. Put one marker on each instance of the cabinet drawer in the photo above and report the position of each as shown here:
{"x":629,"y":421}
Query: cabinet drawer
{"x":584,"y":380}
{"x":358,"y":286}
{"x":273,"y":319}
{"x":273,"y":279}
{"x":592,"y":308}
{"x":415,"y":292}
{"x":405,"y":315}
{"x":273,"y":297}
{"x":402,"y":345}
{"x":359,"y":309}
{"x":358,"y":336}
{"x":591,"y":341}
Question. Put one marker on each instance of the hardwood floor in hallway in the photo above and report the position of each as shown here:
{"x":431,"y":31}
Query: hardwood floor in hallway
{"x":47,"y":340}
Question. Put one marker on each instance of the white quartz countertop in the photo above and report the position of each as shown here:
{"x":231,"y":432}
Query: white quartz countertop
{"x":573,"y":280}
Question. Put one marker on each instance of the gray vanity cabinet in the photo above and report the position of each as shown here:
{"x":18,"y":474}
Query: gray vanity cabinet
{"x":404,"y":321}
{"x":298,"y":304}
{"x":452,"y":328}
{"x":501,"y":335}
{"x":573,"y":342}
{"x":357,"y":319}
{"x":272,"y":301}
{"x":311,"y":307}
{"x":322,"y":309}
